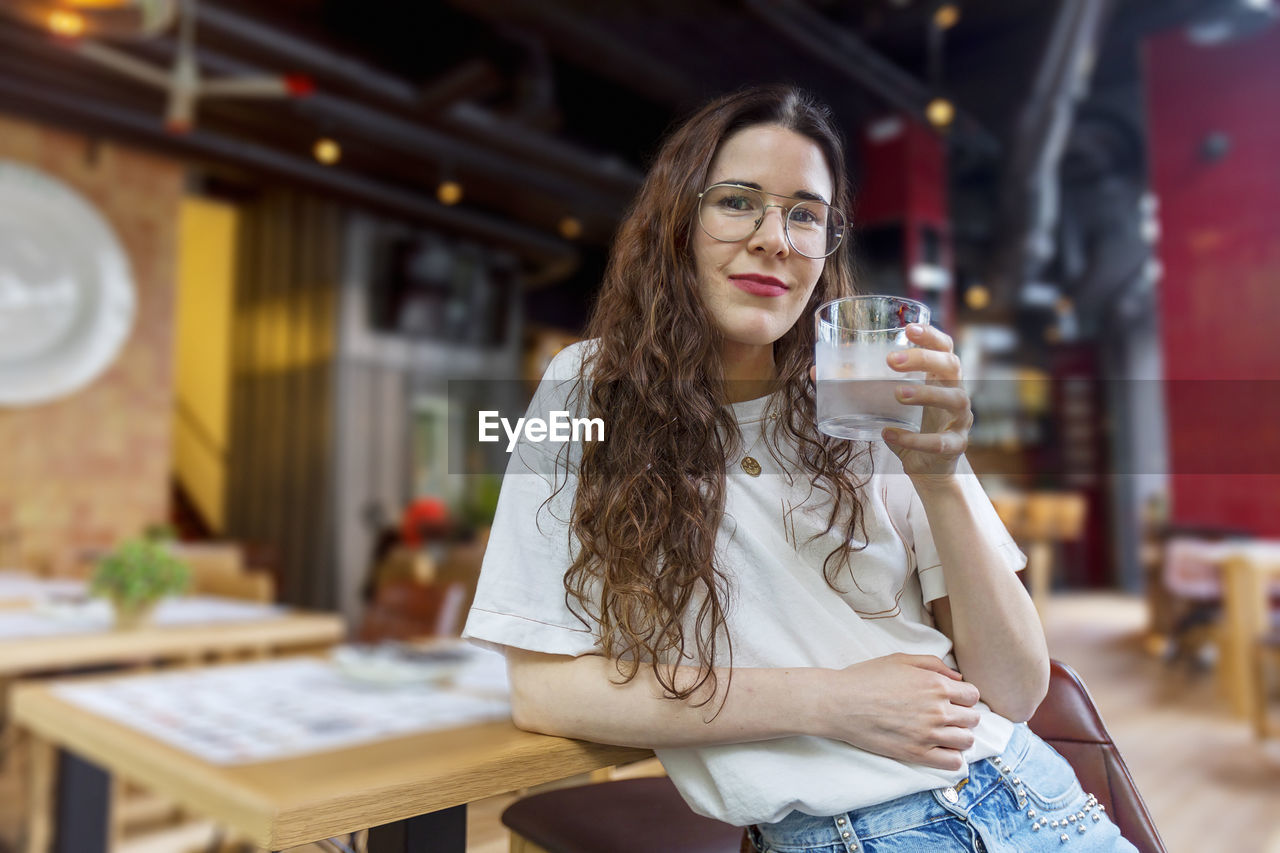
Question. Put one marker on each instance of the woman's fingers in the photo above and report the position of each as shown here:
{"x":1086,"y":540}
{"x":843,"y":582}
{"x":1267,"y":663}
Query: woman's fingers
{"x":954,"y":400}
{"x":930,"y":337}
{"x":955,"y":737}
{"x":943,"y":759}
{"x":941,"y":443}
{"x":941,"y":366}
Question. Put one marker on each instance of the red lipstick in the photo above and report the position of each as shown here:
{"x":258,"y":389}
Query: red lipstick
{"x":759,"y":285}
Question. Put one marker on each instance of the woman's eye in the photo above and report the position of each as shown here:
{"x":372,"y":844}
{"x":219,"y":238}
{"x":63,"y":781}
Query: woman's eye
{"x":804,"y":216}
{"x":737,"y":203}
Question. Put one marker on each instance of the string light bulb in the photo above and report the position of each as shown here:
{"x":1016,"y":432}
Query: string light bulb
{"x":66,"y":24}
{"x":946,"y":16}
{"x":570,"y":228}
{"x":449,"y":192}
{"x":940,"y":112}
{"x":977,"y":297}
{"x":327,"y":151}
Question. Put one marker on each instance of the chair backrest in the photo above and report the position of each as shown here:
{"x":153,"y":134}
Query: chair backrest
{"x":1068,"y":720}
{"x":406,"y":609}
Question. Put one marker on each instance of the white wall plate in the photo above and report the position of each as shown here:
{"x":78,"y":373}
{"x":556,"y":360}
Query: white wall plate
{"x":67,"y":297}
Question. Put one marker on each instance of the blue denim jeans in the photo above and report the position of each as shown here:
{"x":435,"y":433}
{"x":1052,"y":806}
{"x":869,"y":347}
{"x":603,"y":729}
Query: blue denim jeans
{"x":1024,"y":801}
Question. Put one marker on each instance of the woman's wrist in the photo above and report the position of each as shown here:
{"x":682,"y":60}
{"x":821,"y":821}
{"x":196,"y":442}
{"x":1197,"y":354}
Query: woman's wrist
{"x":936,"y":485}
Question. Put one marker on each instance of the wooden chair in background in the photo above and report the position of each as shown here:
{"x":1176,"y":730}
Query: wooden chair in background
{"x":218,"y":568}
{"x":405,"y":609}
{"x":1039,"y":521}
{"x":1250,"y":632}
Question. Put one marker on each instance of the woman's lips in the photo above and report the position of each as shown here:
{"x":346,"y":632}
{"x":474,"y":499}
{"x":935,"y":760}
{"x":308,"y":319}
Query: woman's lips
{"x":759,"y":285}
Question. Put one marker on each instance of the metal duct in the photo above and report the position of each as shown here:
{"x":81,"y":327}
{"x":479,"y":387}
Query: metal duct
{"x":1028,"y":203}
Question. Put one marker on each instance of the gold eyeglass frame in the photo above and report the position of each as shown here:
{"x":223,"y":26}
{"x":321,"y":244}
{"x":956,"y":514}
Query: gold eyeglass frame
{"x":786,"y":218}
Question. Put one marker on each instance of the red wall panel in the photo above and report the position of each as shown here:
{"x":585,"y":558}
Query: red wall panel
{"x":1220,"y":295}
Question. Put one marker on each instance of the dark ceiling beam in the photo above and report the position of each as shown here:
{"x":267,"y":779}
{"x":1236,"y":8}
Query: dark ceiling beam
{"x":288,"y":52}
{"x":570,"y":35}
{"x":297,"y":54}
{"x":97,"y":116}
{"x":823,"y":39}
{"x":1028,"y":194}
{"x":519,"y":157}
{"x":608,"y":174}
{"x":469,"y":80}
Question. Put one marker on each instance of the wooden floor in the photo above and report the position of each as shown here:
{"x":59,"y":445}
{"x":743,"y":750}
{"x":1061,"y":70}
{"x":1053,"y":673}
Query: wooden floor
{"x":1210,"y":785}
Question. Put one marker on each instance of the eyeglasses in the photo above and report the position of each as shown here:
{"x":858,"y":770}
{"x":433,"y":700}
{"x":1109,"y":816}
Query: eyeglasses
{"x":733,"y":212}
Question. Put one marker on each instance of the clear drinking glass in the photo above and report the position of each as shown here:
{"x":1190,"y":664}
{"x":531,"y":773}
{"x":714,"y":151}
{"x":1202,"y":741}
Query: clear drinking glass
{"x":855,"y":336}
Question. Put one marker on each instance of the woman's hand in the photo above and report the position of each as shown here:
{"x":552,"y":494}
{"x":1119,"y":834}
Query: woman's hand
{"x":913,"y":708}
{"x":944,"y":430}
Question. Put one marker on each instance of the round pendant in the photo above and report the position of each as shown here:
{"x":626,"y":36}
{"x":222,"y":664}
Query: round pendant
{"x":751,"y":466}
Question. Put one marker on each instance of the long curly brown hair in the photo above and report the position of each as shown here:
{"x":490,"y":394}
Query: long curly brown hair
{"x":649,"y":501}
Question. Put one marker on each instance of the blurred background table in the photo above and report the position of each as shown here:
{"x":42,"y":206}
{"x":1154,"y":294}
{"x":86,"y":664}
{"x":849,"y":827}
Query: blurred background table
{"x":184,"y":630}
{"x":405,"y":789}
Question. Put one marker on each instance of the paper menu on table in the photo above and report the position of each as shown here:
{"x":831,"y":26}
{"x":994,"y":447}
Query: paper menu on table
{"x":277,"y":709}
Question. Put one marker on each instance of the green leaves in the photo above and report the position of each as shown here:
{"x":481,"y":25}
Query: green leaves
{"x":139,"y":571}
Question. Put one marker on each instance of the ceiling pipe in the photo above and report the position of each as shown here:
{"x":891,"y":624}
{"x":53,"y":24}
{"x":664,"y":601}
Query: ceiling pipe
{"x":1028,"y":196}
{"x":822,"y":39}
{"x":294,"y":53}
{"x":64,"y":108}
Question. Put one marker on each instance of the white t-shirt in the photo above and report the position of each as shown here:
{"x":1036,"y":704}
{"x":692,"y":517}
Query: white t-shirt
{"x":781,"y":612}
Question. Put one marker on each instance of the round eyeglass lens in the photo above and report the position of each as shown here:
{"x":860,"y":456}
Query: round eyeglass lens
{"x":731,"y":213}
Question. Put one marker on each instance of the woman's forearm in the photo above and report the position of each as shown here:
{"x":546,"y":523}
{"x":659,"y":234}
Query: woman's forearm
{"x":578,"y":697}
{"x":999,"y":642}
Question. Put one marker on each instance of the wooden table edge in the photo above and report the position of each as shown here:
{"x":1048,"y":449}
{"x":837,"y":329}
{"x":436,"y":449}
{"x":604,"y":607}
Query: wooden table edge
{"x":153,"y":763}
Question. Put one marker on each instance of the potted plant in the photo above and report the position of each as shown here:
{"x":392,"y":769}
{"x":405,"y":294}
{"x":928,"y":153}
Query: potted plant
{"x":135,"y":576}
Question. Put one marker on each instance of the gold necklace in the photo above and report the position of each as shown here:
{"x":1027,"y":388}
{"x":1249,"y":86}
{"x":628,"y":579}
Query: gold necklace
{"x":749,"y":463}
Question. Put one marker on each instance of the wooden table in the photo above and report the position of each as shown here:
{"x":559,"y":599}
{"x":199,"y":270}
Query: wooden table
{"x":410,"y":791}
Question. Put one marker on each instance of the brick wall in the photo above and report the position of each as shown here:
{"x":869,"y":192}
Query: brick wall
{"x":86,"y":470}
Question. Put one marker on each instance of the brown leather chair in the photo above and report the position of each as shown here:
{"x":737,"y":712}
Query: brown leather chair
{"x":634,"y":815}
{"x":1068,"y":721}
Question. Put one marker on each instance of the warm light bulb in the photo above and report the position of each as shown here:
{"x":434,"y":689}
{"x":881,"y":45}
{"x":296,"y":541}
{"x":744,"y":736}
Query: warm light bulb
{"x":940,"y":112}
{"x":66,"y":24}
{"x":327,"y":151}
{"x":449,"y":192}
{"x":977,"y":297}
{"x":947,"y":16}
{"x":570,"y":228}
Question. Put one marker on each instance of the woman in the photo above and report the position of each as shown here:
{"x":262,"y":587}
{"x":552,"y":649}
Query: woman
{"x":821,"y":639}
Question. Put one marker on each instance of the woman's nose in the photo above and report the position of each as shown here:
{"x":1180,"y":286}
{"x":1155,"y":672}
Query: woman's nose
{"x":771,"y":235}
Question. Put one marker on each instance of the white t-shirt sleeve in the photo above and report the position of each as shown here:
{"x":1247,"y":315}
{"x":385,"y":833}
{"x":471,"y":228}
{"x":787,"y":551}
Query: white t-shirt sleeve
{"x":929,"y":564}
{"x":520,"y":598}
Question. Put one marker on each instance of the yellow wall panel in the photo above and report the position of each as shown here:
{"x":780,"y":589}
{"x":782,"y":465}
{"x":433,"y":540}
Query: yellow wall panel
{"x":206,"y":285}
